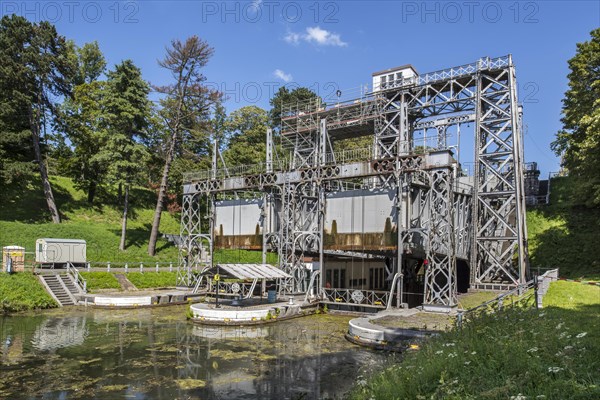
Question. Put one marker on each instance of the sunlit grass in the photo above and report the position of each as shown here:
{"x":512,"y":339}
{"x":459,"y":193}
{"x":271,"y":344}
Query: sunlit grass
{"x":100,"y":280}
{"x":536,"y":354}
{"x":152,"y":279}
{"x":23,"y":291}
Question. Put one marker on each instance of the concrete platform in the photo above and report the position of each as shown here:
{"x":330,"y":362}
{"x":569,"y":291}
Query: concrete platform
{"x":252,"y":311}
{"x":148,"y":298}
{"x":365,"y":331}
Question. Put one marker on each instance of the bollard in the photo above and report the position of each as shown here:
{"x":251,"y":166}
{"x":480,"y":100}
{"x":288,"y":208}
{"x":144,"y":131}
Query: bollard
{"x":141,"y":267}
{"x":89,"y":268}
{"x":126,"y":267}
{"x":156,"y":266}
{"x":108,"y":266}
{"x":170,"y":267}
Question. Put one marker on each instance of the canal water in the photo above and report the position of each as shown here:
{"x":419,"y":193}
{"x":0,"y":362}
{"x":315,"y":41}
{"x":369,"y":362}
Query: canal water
{"x":157,"y":354}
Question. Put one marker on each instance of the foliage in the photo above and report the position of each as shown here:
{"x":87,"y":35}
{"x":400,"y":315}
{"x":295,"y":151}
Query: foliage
{"x":564,"y":236}
{"x":23,"y":291}
{"x":246,"y":132}
{"x":100,"y":280}
{"x":90,"y":63}
{"x":144,"y":280}
{"x":81,"y":117}
{"x":579,"y":140}
{"x":286,"y":98}
{"x":513,"y":354}
{"x":34,"y":68}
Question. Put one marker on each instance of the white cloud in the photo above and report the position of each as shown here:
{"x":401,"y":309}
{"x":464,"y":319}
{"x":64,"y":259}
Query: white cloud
{"x":282,"y":75}
{"x":293,"y":38}
{"x":323,"y":37}
{"x":316,"y":35}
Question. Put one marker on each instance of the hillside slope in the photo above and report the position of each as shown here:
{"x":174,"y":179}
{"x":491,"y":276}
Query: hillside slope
{"x":24,"y":217}
{"x":565,"y":234}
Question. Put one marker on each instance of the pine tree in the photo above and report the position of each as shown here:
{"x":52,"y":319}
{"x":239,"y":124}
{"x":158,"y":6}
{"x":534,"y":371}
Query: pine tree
{"x":36,"y":69}
{"x":127,"y":112}
{"x":186,"y":110}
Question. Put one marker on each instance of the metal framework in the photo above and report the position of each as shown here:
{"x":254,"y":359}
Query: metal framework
{"x":440,"y":214}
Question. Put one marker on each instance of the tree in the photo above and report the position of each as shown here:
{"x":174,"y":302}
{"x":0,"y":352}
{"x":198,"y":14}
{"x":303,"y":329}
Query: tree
{"x":579,"y":140}
{"x":246,"y":132}
{"x":186,"y":109}
{"x":90,"y":63}
{"x":36,"y":69}
{"x":81,"y":117}
{"x":127,"y":110}
{"x":285,"y":97}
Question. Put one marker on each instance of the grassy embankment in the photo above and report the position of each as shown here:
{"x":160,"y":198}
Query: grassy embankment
{"x":23,"y":291}
{"x":565,"y":235}
{"x":24,"y":218}
{"x":514,"y":354}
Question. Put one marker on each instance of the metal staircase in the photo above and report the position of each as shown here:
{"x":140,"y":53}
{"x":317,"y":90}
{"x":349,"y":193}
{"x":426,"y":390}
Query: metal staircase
{"x":62,"y":288}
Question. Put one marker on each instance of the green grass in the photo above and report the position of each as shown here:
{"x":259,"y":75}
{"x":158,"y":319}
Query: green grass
{"x":148,"y":280}
{"x":24,"y":218}
{"x":23,"y":291}
{"x":100,"y":280}
{"x":474,"y":299}
{"x":540,"y":354}
{"x":565,"y":235}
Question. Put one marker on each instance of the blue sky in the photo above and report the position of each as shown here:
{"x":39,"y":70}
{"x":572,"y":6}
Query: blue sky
{"x":330,"y":45}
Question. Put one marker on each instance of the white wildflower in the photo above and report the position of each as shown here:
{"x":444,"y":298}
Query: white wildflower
{"x":518,"y":397}
{"x":582,"y":334}
{"x":555,"y":369}
{"x":541,"y":396}
{"x":451,"y":355}
{"x":467,"y":362}
{"x":448,"y":344}
{"x":559,"y":325}
{"x":532,"y":350}
{"x":568,"y":347}
{"x":439,"y":352}
{"x":473,"y":353}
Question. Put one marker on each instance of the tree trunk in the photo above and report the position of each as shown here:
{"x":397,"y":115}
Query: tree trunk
{"x":124,"y":223}
{"x":91,"y":192}
{"x":35,"y":133}
{"x":164,"y":183}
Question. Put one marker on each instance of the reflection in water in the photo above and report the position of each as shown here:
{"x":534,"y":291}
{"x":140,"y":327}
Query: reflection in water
{"x":55,"y":333}
{"x":155,"y":353}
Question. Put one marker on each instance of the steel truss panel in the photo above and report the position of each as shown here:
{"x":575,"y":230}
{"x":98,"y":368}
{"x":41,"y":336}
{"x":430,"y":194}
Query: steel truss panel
{"x":499,"y":203}
{"x":440,"y":276}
